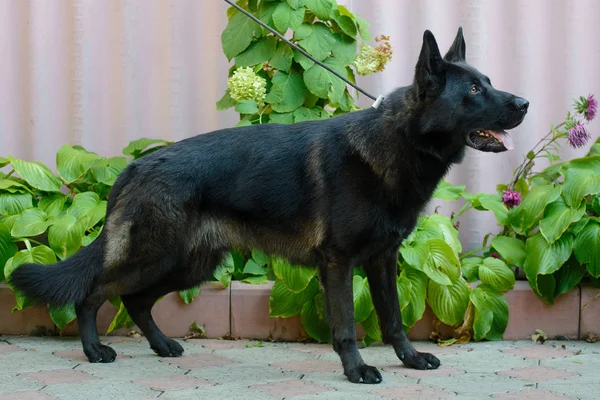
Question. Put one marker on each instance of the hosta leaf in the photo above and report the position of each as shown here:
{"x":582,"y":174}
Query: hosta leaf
{"x":497,"y":274}
{"x":295,"y":277}
{"x":32,"y":222}
{"x":36,"y":174}
{"x":66,"y":235}
{"x":449,"y":302}
{"x":285,"y":303}
{"x":88,"y":204}
{"x":72,"y":163}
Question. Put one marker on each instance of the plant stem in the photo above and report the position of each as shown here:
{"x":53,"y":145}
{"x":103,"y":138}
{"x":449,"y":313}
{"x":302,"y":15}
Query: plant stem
{"x":521,"y":168}
{"x":473,"y":252}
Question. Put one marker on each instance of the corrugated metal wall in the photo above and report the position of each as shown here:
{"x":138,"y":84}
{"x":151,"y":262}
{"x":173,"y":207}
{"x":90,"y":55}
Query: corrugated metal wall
{"x":102,"y":73}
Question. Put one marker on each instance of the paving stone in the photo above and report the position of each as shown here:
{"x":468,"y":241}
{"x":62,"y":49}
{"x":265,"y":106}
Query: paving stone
{"x":215,"y":344}
{"x":290,"y":388}
{"x":309,"y":366}
{"x":198,"y":361}
{"x":540,"y":352}
{"x":27,"y":395}
{"x":575,"y":388}
{"x":420,"y":374}
{"x":537,"y":374}
{"x":532,"y":394}
{"x":177,"y":382}
{"x":58,"y":376}
{"x":100,"y":390}
{"x":8,"y":348}
{"x":413,"y":392}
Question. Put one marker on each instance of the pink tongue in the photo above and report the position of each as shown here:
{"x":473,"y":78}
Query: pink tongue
{"x":504,"y":137}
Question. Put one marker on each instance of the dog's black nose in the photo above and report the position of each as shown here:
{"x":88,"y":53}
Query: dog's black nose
{"x":521,"y":104}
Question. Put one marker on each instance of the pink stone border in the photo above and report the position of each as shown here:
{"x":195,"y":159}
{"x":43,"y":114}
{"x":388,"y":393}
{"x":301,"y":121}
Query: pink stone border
{"x":242,"y":310}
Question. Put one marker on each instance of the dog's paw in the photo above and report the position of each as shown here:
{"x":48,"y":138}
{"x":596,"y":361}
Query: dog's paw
{"x":418,"y":360}
{"x":364,"y":374}
{"x":168,"y":348}
{"x":100,"y":353}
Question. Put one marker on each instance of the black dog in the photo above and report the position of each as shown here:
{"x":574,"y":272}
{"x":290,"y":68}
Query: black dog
{"x":333,"y":193}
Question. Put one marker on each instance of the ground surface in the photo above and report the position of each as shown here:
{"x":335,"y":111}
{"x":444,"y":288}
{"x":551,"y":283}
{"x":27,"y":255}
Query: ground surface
{"x":55,"y":368}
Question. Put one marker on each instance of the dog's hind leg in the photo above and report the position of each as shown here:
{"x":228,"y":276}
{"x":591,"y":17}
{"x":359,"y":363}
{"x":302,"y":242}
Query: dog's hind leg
{"x":382,"y":275}
{"x":139,"y":306}
{"x":86,"y":322}
{"x":337,"y":278}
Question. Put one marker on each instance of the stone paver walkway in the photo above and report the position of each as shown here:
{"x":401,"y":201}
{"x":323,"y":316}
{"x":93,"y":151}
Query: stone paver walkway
{"x":33,"y":368}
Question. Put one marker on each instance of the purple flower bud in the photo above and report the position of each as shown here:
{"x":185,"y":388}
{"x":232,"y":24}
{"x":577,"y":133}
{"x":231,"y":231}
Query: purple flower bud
{"x":578,"y":135}
{"x":592,"y":107}
{"x":495,"y":255}
{"x":511,"y":198}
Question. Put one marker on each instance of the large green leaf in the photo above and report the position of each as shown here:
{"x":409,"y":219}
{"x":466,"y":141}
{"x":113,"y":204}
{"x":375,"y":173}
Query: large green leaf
{"x":449,"y":302}
{"x":295,"y":277}
{"x":72,"y":163}
{"x":363,"y":304}
{"x":36,"y":174}
{"x":568,"y":276}
{"x":224,"y":271}
{"x":143,"y":145}
{"x":542,"y":260}
{"x":418,"y":290}
{"x":285,"y":17}
{"x":321,"y":8}
{"x":446,"y":230}
{"x":88,"y":204}
{"x":285,"y":303}
{"x":497,"y":274}
{"x":15,"y":203}
{"x":447,"y":191}
{"x":323,"y":83}
{"x":403,"y":287}
{"x":287,"y":93}
{"x":61,"y":316}
{"x":319,"y":42}
{"x":257,"y":53}
{"x":470,"y":268}
{"x":7,"y":249}
{"x":510,"y":249}
{"x":492,"y":202}
{"x":295,"y":4}
{"x":52,"y":205}
{"x":106,"y":170}
{"x":557,"y":219}
{"x":587,"y":247}
{"x":346,"y":24}
{"x":252,"y":267}
{"x":32,"y":222}
{"x":238,"y":35}
{"x":582,"y":177}
{"x":491,"y":313}
{"x":4,"y":162}
{"x":66,"y":235}
{"x":344,"y":49}
{"x":533,"y":205}
{"x":246,"y":107}
{"x":442,"y":265}
{"x":282,"y":59}
{"x":12,"y":186}
{"x":309,"y":114}
{"x":314,"y":320}
{"x":121,"y":320}
{"x":226,"y":101}
{"x":36,"y":255}
{"x":188,"y":295}
{"x":372,"y":330}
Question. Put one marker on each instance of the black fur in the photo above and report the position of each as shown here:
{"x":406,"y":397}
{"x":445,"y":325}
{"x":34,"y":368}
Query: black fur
{"x":334,"y":193}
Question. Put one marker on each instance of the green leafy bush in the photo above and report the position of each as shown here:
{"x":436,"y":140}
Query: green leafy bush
{"x":271,"y":82}
{"x":549,"y":218}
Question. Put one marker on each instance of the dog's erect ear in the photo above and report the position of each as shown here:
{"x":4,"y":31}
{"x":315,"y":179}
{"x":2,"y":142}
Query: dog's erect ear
{"x":458,"y":50}
{"x":430,"y":65}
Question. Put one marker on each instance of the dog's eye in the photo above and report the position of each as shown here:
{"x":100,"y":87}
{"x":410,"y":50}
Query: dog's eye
{"x":474,"y":89}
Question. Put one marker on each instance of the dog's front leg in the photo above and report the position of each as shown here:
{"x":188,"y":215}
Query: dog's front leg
{"x":337,"y":279}
{"x":382,"y":275}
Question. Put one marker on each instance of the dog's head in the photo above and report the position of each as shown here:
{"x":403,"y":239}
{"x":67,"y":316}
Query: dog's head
{"x":460,"y":103}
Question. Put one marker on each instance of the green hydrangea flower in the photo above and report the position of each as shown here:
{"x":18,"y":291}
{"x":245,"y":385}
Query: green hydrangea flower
{"x":373,"y":59}
{"x":246,"y":85}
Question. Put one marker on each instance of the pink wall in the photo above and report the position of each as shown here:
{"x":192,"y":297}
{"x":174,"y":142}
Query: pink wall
{"x":102,"y":73}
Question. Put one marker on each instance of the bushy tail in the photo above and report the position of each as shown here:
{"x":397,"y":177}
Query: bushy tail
{"x":66,"y":282}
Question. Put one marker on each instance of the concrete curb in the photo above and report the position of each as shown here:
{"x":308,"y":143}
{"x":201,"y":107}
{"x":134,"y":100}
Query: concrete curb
{"x":242,"y":310}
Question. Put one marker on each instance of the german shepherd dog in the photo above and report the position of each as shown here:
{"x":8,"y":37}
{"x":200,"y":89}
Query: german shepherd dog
{"x":335,"y":193}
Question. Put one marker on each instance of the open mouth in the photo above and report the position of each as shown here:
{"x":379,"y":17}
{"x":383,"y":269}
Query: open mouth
{"x":490,"y":140}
